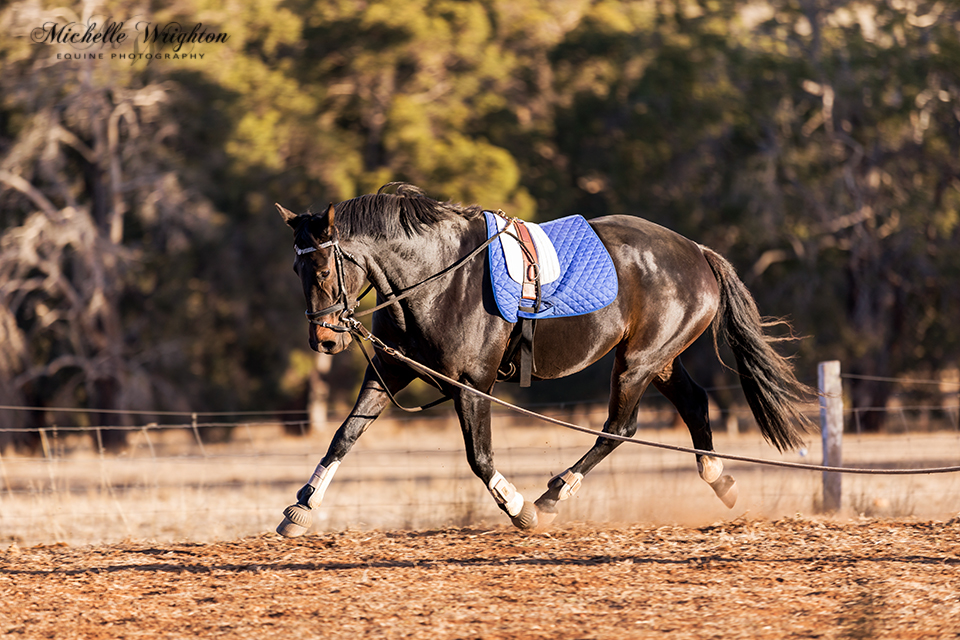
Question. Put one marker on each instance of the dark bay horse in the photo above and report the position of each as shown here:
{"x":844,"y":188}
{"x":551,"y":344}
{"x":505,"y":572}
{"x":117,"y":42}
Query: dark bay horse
{"x":670,"y":290}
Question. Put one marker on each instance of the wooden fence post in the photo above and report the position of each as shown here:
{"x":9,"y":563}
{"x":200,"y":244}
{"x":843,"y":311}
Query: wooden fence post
{"x":831,"y":429}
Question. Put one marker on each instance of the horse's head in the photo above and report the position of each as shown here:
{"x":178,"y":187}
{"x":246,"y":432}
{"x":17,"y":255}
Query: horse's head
{"x":329,"y":284}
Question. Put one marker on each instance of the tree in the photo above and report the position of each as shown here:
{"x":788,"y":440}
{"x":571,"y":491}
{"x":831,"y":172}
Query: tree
{"x":103,"y":259}
{"x":142,"y":265}
{"x":815,"y":144}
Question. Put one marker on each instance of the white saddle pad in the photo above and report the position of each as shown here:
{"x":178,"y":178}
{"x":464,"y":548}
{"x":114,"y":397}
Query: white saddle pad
{"x":513,"y":254}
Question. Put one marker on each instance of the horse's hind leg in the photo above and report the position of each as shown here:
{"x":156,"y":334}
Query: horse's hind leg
{"x":690,"y":399}
{"x":628,"y":382}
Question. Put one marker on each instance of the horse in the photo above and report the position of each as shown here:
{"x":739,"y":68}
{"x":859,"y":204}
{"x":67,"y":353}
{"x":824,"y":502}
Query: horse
{"x":435,"y":306}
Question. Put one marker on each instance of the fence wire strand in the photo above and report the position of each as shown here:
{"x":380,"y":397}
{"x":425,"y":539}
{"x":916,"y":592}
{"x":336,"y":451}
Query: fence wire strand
{"x":185,"y":476}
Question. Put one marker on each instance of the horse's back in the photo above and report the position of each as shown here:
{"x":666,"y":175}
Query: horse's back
{"x":656,"y":259}
{"x":667,"y":296}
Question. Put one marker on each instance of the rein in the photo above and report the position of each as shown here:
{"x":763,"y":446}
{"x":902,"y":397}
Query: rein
{"x":454,"y":267}
{"x":347,"y":320}
{"x":342,"y":304}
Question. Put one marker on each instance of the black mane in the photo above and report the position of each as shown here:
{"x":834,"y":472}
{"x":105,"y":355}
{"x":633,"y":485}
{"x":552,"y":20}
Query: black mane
{"x":407,"y":212}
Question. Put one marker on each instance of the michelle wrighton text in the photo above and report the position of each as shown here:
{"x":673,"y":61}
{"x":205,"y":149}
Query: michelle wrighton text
{"x":111,"y":32}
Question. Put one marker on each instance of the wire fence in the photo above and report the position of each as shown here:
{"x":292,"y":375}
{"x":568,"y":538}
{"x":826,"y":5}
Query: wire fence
{"x":180,"y":477}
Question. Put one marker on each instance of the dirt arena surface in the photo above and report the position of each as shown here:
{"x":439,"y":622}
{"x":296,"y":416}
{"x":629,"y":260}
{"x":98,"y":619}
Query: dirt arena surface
{"x":796,"y":577}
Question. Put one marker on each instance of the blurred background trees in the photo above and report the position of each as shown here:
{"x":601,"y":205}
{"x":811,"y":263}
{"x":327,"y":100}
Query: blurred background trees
{"x":815,"y":143}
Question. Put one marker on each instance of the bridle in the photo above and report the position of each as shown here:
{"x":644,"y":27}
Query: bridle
{"x":342,"y":303}
{"x":347,"y":320}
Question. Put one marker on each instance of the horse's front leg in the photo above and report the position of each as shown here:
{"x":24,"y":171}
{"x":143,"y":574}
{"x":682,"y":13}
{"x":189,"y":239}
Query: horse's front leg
{"x":371,"y":402}
{"x":474,"y":415}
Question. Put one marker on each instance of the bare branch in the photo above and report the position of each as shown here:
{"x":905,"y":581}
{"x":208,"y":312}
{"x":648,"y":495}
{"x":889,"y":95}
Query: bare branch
{"x":123,"y":110}
{"x":71,"y":140}
{"x":24,"y":187}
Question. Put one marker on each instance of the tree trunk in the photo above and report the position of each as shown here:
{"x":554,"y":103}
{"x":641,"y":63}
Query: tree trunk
{"x":105,"y":392}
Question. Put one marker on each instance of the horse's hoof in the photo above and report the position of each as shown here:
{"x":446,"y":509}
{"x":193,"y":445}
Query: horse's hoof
{"x":726,"y":489}
{"x":296,"y":521}
{"x":544,"y":518}
{"x":290,"y":529}
{"x":527,"y":518}
{"x":299,"y":514}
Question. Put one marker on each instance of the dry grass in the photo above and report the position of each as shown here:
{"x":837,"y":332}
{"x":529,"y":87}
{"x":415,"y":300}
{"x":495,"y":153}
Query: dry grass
{"x":413,"y":475}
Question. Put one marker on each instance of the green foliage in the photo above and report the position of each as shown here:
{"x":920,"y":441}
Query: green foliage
{"x":816,"y":144}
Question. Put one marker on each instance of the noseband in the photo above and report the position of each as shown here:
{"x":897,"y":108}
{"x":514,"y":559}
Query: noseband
{"x":342,"y":304}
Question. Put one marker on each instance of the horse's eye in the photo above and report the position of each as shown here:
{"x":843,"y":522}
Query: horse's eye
{"x":325,"y":274}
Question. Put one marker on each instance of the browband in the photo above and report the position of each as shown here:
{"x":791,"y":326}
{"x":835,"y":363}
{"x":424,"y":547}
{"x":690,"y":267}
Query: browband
{"x":328,"y":243}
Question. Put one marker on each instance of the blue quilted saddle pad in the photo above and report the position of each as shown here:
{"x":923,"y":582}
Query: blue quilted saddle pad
{"x":588,"y":278}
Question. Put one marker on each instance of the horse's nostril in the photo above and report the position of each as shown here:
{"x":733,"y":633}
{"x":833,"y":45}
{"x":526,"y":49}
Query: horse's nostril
{"x":328,"y":345}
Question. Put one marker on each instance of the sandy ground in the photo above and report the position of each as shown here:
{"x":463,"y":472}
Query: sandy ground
{"x":793,"y":577}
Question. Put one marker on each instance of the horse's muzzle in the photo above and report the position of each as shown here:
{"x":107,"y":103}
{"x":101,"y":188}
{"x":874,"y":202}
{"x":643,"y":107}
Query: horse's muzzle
{"x":329,"y":341}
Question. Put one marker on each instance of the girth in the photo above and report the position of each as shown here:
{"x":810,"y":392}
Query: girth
{"x":531,"y":268}
{"x":530,"y":298}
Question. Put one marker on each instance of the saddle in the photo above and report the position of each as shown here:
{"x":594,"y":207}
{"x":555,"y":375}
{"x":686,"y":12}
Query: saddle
{"x":557,"y":269}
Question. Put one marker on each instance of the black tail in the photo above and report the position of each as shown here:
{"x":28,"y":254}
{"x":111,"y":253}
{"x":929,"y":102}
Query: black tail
{"x":768,"y":381}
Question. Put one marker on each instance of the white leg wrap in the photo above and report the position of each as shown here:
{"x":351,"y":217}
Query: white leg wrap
{"x":506,"y":494}
{"x":710,"y":468}
{"x":571,"y":483}
{"x":320,"y":480}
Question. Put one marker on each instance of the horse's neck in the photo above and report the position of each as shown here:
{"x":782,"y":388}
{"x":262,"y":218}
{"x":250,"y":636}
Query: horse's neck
{"x":394,"y":266}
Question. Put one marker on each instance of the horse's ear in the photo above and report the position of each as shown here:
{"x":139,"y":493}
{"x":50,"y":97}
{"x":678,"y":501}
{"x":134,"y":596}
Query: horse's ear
{"x":331,"y":230}
{"x":288,"y":216}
